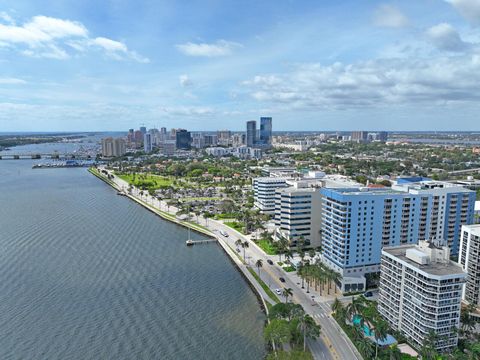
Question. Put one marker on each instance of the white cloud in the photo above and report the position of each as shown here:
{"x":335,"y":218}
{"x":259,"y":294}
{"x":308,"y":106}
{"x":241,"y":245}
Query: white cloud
{"x":389,"y":16}
{"x":219,"y":48}
{"x":47,"y":37}
{"x":444,"y":37}
{"x":185,"y":80}
{"x":469,"y":9}
{"x":12,"y":81}
{"x":441,"y":80}
{"x":6,"y":18}
{"x":188,"y":111}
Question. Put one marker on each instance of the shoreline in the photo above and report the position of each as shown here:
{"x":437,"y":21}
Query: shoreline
{"x":235,"y":260}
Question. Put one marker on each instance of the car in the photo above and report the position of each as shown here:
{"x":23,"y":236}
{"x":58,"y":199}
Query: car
{"x":368,"y":294}
{"x":281,"y":279}
{"x":278,"y":291}
{"x":223,"y":233}
{"x":270,"y":262}
{"x":238,"y":250}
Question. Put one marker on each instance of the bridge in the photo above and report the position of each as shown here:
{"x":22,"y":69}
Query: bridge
{"x":54,"y":156}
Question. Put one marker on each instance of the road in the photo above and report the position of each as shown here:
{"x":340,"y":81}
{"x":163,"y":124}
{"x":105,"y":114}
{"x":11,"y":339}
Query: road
{"x":333,"y":343}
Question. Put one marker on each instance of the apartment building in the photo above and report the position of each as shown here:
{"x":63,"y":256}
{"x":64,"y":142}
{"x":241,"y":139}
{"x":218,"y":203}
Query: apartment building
{"x":358,"y":222}
{"x":420,"y":292}
{"x":469,"y":260}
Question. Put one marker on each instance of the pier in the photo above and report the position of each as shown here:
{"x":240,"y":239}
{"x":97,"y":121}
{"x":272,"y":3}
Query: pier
{"x":35,"y":156}
{"x":199,"y":242}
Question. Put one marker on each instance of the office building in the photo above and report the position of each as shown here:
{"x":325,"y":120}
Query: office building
{"x":138,"y":138}
{"x":382,"y":136}
{"x":217,"y":151}
{"x":357,"y":222}
{"x":251,"y":133}
{"x":183,"y":139}
{"x":266,"y":131}
{"x":113,"y":147}
{"x":420,"y":292}
{"x":148,"y":143}
{"x":131,"y":136}
{"x":168,"y":147}
{"x":210,"y":140}
{"x":143,"y":130}
{"x":359,"y":136}
{"x":469,"y":259}
{"x":238,"y":140}
{"x":264,"y":192}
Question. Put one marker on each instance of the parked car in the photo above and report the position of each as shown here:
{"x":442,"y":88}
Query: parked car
{"x":281,"y":279}
{"x":270,"y":262}
{"x":278,"y":291}
{"x":223,"y":233}
{"x":368,"y":294}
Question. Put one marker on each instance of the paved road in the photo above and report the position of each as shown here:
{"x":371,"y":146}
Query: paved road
{"x":333,"y":344}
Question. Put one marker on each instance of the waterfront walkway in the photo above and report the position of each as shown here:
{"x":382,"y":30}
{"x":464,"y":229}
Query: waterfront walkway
{"x":333,"y":343}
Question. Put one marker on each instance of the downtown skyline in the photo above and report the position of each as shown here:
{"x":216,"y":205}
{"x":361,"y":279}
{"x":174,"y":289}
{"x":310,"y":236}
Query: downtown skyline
{"x":209,"y":65}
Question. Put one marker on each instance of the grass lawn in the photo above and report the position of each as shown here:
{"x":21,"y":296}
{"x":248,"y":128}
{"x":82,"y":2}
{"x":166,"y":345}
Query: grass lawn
{"x":236,"y":225}
{"x":264,"y":286}
{"x":267,"y":246}
{"x":149,"y":181}
{"x":289,"y":268}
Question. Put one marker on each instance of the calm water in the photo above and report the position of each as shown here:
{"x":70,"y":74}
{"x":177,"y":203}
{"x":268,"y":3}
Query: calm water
{"x":87,"y":274}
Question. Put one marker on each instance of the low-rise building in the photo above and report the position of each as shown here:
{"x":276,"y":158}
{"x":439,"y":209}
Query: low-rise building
{"x":469,"y":259}
{"x":420,"y":293}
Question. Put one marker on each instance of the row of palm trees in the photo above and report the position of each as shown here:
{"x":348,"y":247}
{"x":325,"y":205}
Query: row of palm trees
{"x":318,"y":276}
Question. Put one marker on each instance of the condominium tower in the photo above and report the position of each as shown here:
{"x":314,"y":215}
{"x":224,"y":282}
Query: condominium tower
{"x":469,"y":259}
{"x":420,"y":293}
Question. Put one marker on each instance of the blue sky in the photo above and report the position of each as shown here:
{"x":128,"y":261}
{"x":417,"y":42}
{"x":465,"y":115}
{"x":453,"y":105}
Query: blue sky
{"x":205,"y":65}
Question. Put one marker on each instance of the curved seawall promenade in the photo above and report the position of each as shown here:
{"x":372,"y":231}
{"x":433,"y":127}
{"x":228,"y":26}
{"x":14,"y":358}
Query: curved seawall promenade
{"x":86,"y":275}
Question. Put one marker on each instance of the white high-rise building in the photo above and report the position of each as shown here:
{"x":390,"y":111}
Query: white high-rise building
{"x":264,"y":192}
{"x":421,"y":292}
{"x":469,"y":259}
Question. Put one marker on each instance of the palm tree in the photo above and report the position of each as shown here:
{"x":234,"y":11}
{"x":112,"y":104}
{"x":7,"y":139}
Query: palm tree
{"x":238,"y":243}
{"x":259,"y":264}
{"x":244,"y":245}
{"x":380,"y":333}
{"x":336,"y":278}
{"x":288,"y":255}
{"x":337,"y":306}
{"x":287,"y":292}
{"x":364,"y":345}
{"x":309,"y":329}
{"x":356,"y":306}
{"x":311,"y":253}
{"x":395,"y":353}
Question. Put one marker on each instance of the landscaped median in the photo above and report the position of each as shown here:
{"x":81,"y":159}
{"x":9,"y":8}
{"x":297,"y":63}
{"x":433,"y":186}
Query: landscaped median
{"x":264,"y":286}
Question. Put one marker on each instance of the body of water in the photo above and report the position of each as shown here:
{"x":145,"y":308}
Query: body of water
{"x":87,"y":274}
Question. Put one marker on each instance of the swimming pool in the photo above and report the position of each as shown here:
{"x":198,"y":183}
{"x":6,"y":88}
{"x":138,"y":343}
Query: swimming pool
{"x":389,"y":340}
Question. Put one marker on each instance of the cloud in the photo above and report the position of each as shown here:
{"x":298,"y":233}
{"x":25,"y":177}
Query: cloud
{"x":444,"y":37}
{"x":188,"y":111}
{"x":48,"y":37}
{"x":220,"y":48}
{"x":469,"y":9}
{"x":185,"y":80}
{"x":12,"y":81}
{"x":389,"y":16}
{"x":6,"y":18}
{"x":374,"y":83}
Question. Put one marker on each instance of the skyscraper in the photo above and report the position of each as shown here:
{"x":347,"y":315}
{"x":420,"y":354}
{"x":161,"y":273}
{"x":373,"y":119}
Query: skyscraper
{"x":183,"y":139}
{"x":113,"y":147}
{"x":251,"y":133}
{"x":266,"y":131}
{"x":148,"y":143}
{"x":143,"y":129}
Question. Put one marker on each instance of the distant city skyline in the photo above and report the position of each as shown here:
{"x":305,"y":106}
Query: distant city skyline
{"x":100,"y":66}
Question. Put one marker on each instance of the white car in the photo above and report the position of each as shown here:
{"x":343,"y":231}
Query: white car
{"x":223,"y":233}
{"x":278,"y":291}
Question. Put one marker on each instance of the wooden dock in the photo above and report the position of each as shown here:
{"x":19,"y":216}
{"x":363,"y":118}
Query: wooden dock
{"x":199,"y":242}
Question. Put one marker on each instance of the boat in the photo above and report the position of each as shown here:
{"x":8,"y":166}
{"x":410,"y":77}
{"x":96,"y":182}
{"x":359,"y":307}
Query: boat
{"x":189,"y":242}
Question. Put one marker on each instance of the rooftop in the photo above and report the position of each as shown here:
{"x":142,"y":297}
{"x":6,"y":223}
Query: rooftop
{"x":474,"y":229}
{"x":433,"y":268}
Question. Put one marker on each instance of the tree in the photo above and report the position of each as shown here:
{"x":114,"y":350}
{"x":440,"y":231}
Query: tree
{"x":259,"y":264}
{"x":277,"y":332}
{"x":309,"y":329}
{"x":365,"y":346}
{"x":238,"y":243}
{"x":356,"y":306}
{"x":337,"y":307}
{"x":287,"y":292}
{"x":428,"y":350}
{"x":244,"y":246}
{"x":394,"y":353}
{"x":380,"y":333}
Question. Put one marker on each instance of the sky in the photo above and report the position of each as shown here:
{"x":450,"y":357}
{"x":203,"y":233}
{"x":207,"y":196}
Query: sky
{"x":214,"y":64}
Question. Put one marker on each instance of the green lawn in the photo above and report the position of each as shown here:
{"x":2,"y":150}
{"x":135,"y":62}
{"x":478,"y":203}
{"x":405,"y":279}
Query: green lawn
{"x":236,"y":225}
{"x":289,"y":268}
{"x":267,"y":246}
{"x":264,"y":286}
{"x":147,"y":181}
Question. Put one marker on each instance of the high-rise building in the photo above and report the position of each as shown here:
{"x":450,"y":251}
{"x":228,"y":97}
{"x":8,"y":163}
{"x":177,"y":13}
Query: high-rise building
{"x":360,"y":136}
{"x":420,"y":293}
{"x":131,"y":136}
{"x":266,"y":131}
{"x":382,"y":136}
{"x":113,"y":147}
{"x":210,"y":140}
{"x":264,"y":192}
{"x":143,"y":130}
{"x":183,"y":139}
{"x":148,"y":143}
{"x":138,"y":138}
{"x":239,"y":140}
{"x":357,"y":222}
{"x":251,"y":133}
{"x":469,"y":259}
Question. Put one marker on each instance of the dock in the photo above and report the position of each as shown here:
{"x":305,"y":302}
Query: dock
{"x":199,"y":242}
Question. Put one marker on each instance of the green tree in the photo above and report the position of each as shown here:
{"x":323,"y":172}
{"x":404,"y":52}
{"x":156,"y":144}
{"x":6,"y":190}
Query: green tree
{"x":287,"y":292}
{"x":277,"y":332}
{"x":380,"y":333}
{"x":259,"y":264}
{"x":309,"y":329}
